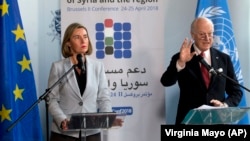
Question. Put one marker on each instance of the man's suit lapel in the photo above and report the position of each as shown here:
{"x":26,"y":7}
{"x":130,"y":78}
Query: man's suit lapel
{"x":215,"y":63}
{"x":196,"y":71}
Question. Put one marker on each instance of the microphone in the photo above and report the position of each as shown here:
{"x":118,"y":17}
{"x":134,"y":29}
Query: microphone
{"x":80,"y":64}
{"x":220,"y":73}
{"x":207,"y":66}
{"x":219,"y":70}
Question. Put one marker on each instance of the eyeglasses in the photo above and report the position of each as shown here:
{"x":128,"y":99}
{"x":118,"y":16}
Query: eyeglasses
{"x":203,"y":35}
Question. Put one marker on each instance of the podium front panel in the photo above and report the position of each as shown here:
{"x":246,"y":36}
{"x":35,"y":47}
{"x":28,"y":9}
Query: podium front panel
{"x":90,"y":121}
{"x":229,"y":115}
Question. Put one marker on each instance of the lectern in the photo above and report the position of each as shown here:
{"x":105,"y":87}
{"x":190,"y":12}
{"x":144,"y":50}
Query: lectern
{"x":83,"y":122}
{"x":218,"y":115}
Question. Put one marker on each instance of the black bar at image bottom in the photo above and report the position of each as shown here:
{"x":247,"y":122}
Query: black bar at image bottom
{"x":205,"y":132}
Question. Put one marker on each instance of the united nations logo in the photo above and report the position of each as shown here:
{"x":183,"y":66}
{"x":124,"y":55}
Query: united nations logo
{"x":55,"y":25}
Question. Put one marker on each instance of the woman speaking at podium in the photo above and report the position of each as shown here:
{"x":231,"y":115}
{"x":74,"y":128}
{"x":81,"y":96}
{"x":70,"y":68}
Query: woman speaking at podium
{"x":82,"y":90}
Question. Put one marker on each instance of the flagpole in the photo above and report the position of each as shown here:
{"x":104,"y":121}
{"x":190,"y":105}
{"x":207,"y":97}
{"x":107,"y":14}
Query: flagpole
{"x":47,"y":120}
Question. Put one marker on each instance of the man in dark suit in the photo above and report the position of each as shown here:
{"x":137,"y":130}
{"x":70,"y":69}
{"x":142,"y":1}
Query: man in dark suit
{"x":185,"y":68}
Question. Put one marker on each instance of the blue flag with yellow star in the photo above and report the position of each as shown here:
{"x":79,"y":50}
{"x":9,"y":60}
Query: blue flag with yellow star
{"x":224,"y":40}
{"x":17,"y":89}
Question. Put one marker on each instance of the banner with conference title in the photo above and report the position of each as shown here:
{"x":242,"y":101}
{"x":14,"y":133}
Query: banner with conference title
{"x":128,"y":37}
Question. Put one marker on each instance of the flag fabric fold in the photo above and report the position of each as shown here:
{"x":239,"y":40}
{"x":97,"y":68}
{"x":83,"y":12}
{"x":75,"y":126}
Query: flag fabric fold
{"x":224,"y":39}
{"x":17,"y":89}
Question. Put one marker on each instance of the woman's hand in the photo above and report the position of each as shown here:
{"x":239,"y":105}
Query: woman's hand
{"x":64,"y":124}
{"x":118,"y":122}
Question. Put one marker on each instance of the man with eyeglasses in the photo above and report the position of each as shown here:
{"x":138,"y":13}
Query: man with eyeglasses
{"x":185,"y":68}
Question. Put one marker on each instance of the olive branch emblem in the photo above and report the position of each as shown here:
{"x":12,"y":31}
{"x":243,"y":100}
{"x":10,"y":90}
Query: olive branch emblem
{"x":211,"y":11}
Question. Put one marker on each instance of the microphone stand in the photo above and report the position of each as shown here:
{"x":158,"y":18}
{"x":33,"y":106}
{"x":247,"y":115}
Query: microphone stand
{"x":220,"y":73}
{"x":42,"y":97}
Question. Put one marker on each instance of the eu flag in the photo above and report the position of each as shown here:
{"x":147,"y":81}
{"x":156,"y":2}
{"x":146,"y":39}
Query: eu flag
{"x":224,"y":40}
{"x":17,"y":89}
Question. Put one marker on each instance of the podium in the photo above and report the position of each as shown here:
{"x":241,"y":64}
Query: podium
{"x":215,"y":115}
{"x":84,"y":122}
